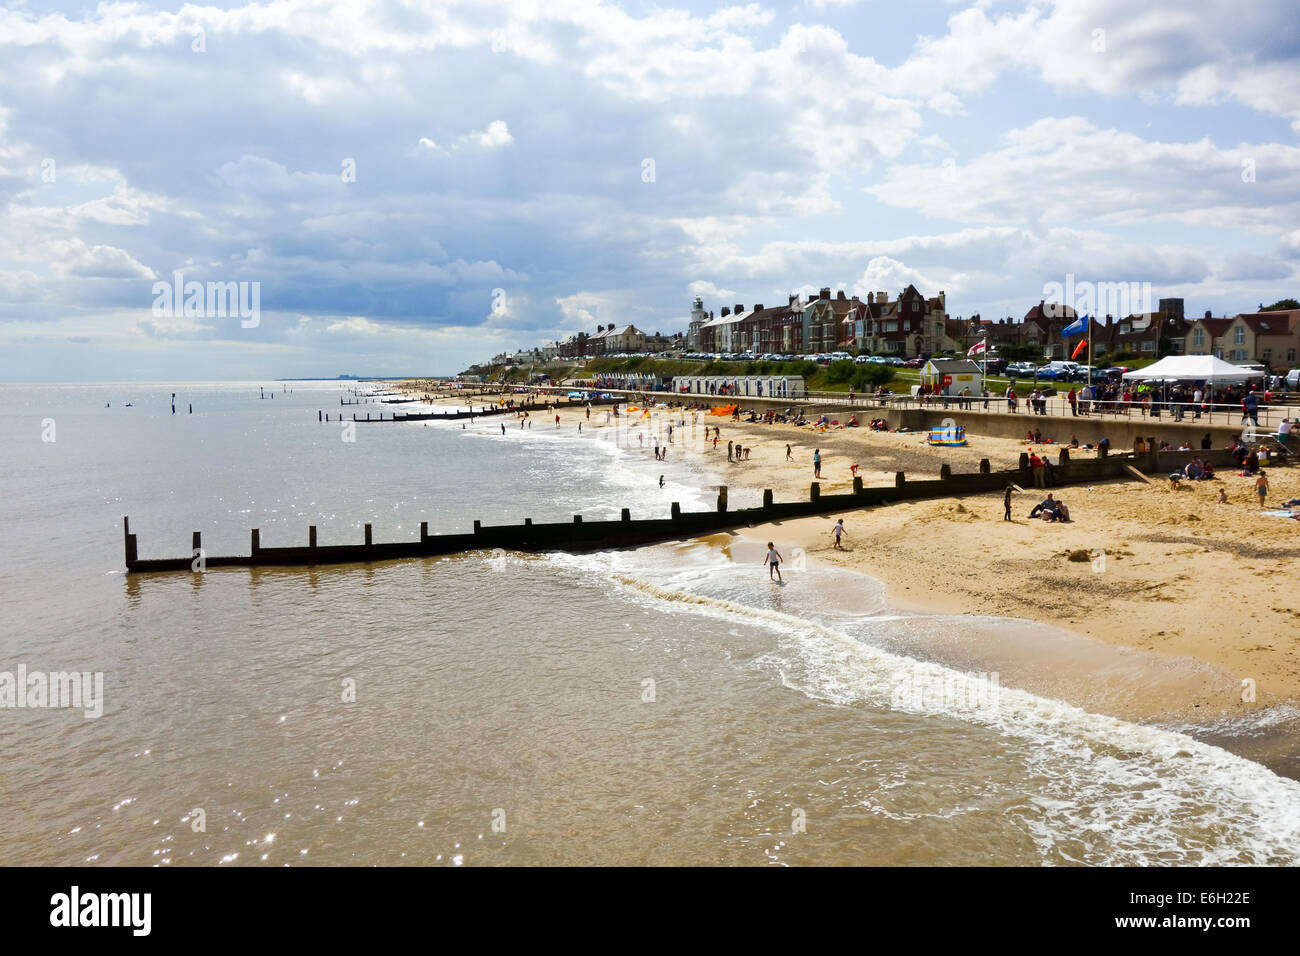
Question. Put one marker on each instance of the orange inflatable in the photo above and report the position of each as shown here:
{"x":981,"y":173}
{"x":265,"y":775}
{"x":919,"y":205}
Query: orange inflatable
{"x":723,"y":410}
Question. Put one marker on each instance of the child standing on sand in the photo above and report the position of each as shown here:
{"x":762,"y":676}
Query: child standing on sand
{"x":788,"y":456}
{"x":1261,"y":488}
{"x":837,"y":531}
{"x":1006,"y":504}
{"x":817,"y":463}
{"x":773,"y":562}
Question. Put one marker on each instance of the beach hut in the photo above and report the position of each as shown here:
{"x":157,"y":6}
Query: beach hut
{"x":953,"y":374}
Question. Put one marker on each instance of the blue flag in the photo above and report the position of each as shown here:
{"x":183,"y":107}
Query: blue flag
{"x":1078,"y":327}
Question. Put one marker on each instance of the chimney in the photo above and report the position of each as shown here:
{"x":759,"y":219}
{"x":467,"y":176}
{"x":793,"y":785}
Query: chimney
{"x":840,"y":295}
{"x":825,"y":293}
{"x":882,"y":297}
{"x":758,"y":306}
{"x":725,"y":312}
{"x":1207,"y":314}
{"x":794,"y":298}
{"x":738,"y":309}
{"x":871,"y":298}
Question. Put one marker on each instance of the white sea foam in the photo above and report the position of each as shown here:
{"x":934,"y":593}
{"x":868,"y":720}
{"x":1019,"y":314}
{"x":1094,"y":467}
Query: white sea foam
{"x":1128,"y":793}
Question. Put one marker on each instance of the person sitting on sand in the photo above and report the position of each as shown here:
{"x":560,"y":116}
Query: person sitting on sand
{"x":1074,"y":441}
{"x":1223,"y":497}
{"x":1193,"y":469}
{"x":1184,"y":447}
{"x":1047,"y":504}
{"x":1059,"y":513}
{"x":1252,"y":462}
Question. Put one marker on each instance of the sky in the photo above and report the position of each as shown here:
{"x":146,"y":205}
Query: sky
{"x":411,"y":187}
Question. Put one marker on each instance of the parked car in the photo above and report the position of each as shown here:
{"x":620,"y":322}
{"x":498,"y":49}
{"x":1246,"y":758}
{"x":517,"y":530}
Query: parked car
{"x":895,"y":361}
{"x":914,"y":363}
{"x":1022,"y":370}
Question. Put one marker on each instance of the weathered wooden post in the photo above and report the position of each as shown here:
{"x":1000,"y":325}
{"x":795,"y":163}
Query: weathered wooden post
{"x":368,"y":536}
{"x":319,"y":413}
{"x":577,"y":519}
{"x":424,"y":531}
{"x":626,"y":515}
{"x":256,"y":541}
{"x":857,"y":484}
{"x":722,"y":499}
{"x":676,"y":511}
{"x":815,"y":491}
{"x":1024,"y":460}
{"x":767,"y":498}
{"x":196,"y":544}
{"x":945,"y":472}
{"x":128,"y":541}
{"x":311,"y":536}
{"x":985,"y":468}
{"x":900,"y":479}
{"x":478,"y":526}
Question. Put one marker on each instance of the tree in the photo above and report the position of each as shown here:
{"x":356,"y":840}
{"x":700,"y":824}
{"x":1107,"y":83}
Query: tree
{"x":1281,"y":305}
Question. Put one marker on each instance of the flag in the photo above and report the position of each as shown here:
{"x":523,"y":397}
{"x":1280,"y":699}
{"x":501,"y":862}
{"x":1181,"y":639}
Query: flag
{"x":1078,"y":327}
{"x":977,"y":348}
{"x":1083,"y":343}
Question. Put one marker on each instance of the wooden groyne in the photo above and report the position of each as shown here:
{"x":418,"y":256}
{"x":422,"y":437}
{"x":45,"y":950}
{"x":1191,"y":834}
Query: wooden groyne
{"x":457,"y":415}
{"x":580,"y":535}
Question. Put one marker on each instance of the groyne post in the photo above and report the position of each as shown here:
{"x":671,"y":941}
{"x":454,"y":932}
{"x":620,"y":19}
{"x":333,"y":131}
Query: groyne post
{"x":945,"y":472}
{"x":128,"y":541}
{"x":676,"y":511}
{"x":857,"y":484}
{"x":815,"y":491}
{"x":424,"y":531}
{"x":626,"y":515}
{"x":722,"y":499}
{"x":900,"y":479}
{"x":369,"y":539}
{"x":311,"y":536}
{"x":985,"y":468}
{"x":255,"y":541}
{"x":767,"y":498}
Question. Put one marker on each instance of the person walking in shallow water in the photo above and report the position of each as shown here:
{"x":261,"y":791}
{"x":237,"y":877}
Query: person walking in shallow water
{"x":773,"y":562}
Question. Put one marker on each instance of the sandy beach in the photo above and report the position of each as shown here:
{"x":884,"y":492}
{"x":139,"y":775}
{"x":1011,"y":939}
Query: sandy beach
{"x":1167,"y":573}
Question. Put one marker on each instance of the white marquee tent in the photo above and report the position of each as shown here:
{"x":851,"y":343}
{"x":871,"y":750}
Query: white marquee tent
{"x":1191,"y":368}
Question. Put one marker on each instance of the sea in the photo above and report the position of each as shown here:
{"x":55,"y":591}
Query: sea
{"x":666,"y":705}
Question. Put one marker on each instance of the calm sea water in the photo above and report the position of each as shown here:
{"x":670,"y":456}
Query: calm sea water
{"x":662,"y":706}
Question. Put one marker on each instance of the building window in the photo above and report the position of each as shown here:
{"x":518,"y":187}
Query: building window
{"x":1267,"y":356}
{"x":1198,"y":338}
{"x":1290,"y":355}
{"x":1148,"y":346}
{"x":1239,"y":336}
